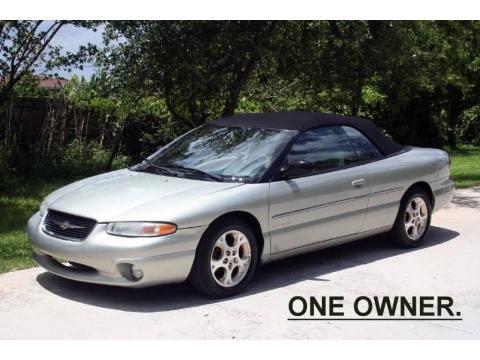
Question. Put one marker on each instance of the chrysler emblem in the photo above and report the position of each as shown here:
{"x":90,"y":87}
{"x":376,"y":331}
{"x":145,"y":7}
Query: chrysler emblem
{"x":64,"y":225}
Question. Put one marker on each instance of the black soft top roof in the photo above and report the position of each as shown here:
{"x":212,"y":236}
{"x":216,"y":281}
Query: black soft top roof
{"x":302,"y":121}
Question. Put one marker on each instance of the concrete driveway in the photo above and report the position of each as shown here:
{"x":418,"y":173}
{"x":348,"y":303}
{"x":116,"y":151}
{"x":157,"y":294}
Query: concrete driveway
{"x":36,"y":304}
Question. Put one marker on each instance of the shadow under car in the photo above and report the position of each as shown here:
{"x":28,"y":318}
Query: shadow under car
{"x":311,"y":266}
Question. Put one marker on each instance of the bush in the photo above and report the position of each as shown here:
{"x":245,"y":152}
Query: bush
{"x":82,"y":158}
{"x":78,"y":159}
{"x":468,"y":129}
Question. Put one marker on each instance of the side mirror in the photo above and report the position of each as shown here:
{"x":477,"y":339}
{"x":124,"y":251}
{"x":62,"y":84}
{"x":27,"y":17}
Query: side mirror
{"x":296,"y":169}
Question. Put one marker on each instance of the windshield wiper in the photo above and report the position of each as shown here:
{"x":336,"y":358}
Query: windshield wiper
{"x":163,"y":169}
{"x":193,"y":170}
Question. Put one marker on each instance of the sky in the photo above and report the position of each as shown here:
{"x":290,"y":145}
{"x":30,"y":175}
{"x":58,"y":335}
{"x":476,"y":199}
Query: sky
{"x":70,"y":38}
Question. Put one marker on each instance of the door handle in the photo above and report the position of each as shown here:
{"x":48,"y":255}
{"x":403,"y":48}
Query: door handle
{"x":359,"y":182}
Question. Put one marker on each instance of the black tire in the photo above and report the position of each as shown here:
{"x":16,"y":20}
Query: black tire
{"x":399,"y":233}
{"x":201,"y":276}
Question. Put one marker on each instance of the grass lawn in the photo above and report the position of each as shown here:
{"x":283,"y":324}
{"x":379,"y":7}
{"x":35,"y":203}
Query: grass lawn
{"x":20,"y":201}
{"x":465,"y":166}
{"x":17,"y":204}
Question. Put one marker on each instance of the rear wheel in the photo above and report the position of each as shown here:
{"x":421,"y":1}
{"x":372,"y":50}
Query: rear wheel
{"x":226,"y":258}
{"x":413,"y":219}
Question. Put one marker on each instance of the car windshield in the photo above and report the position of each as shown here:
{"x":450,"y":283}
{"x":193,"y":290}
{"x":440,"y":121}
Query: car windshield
{"x":232,"y":154}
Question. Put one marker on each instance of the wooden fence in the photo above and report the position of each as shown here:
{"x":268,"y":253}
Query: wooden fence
{"x":43,"y":122}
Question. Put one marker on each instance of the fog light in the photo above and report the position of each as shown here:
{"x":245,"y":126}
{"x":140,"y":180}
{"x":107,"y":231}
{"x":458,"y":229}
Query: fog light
{"x":137,"y":273}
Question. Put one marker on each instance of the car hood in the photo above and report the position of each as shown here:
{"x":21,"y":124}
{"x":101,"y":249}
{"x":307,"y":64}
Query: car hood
{"x":126,"y":195}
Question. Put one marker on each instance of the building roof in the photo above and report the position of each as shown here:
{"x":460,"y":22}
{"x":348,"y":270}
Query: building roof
{"x":302,"y":121}
{"x":53,"y":83}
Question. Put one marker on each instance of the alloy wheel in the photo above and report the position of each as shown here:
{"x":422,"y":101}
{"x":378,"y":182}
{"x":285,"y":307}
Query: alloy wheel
{"x":416,"y":218}
{"x":230,"y":258}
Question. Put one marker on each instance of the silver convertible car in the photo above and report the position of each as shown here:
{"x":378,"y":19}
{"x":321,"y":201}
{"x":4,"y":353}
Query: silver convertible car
{"x":236,"y":192}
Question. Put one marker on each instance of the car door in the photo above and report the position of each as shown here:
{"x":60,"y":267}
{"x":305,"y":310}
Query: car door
{"x":325,"y":204}
{"x":384,"y":175}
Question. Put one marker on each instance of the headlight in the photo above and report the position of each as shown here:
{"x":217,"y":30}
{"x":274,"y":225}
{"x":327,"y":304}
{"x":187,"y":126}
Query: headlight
{"x":43,"y":208}
{"x":144,"y":229}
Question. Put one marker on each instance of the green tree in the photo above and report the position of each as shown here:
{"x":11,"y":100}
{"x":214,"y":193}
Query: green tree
{"x":199,"y":67}
{"x":417,"y":79}
{"x":27,"y":45}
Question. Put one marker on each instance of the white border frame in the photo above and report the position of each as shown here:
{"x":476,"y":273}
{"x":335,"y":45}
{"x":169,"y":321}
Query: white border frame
{"x":242,"y":9}
{"x":240,"y":350}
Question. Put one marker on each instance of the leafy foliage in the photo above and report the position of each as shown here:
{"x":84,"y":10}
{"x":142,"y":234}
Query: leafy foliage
{"x":414,"y":78}
{"x":198,"y":67}
{"x":26,"y":45}
{"x":418,"y":80}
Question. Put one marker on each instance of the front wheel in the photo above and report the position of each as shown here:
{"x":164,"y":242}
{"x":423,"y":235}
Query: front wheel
{"x":413,"y":219}
{"x":226,"y":259}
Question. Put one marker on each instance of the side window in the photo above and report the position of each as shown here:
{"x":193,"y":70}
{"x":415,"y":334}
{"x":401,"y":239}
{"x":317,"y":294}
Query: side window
{"x":325,"y":147}
{"x":363,"y":147}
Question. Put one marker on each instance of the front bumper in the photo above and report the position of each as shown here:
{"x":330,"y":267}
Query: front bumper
{"x":106,"y":259}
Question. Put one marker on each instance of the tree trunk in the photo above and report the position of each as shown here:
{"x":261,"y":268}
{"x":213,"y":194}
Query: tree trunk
{"x":356,"y":96}
{"x":103,"y":129}
{"x":354,"y":106}
{"x":114,"y":153}
{"x":241,"y":75}
{"x":451,"y":138}
{"x":240,"y":79}
{"x":116,"y":148}
{"x":87,"y":125}
{"x":51,"y":121}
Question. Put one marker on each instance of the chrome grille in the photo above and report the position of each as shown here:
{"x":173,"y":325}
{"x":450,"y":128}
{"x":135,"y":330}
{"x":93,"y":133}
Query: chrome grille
{"x":67,"y":226}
